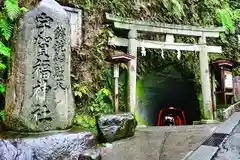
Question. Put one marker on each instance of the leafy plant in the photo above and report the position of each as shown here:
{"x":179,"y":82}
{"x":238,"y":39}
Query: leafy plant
{"x":85,"y":122}
{"x":103,"y":102}
{"x":226,"y":16}
{"x":2,"y":88}
{"x":175,"y":6}
{"x":8,"y":16}
{"x":80,"y":90}
{"x":89,"y":4}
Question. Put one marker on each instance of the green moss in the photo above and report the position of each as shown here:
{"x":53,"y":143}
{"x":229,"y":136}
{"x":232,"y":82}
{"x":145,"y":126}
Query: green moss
{"x":206,"y":114}
{"x":139,"y":119}
{"x":140,"y":90}
{"x":140,"y":93}
{"x":85,"y":122}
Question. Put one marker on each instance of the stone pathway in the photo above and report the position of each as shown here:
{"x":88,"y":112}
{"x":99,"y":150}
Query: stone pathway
{"x":230,"y":148}
{"x":159,"y":143}
{"x":223,"y":144}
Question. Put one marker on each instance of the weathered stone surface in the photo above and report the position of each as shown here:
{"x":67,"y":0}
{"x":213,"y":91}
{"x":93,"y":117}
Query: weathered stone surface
{"x":61,"y":146}
{"x":115,"y":127}
{"x":230,"y":148}
{"x":159,"y":143}
{"x":230,"y":110}
{"x":39,"y":94}
{"x":90,"y":154}
{"x":76,"y":25}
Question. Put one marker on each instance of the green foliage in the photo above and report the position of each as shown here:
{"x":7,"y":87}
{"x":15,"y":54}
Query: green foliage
{"x":234,"y":4}
{"x":229,"y":16}
{"x":12,"y":9}
{"x":2,"y":115}
{"x":6,"y":28}
{"x":101,"y":102}
{"x":89,"y":4}
{"x":8,"y":17}
{"x":226,"y":16}
{"x":79,"y":90}
{"x":5,"y":51}
{"x":97,"y":98}
{"x":2,"y":88}
{"x":85,"y":122}
{"x":187,"y":12}
{"x":175,"y":6}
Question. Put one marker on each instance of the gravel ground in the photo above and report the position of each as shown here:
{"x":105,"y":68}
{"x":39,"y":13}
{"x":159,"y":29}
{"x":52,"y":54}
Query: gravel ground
{"x":159,"y":143}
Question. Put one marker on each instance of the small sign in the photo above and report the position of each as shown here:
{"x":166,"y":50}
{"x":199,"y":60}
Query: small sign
{"x":228,"y":79}
{"x":116,"y":70}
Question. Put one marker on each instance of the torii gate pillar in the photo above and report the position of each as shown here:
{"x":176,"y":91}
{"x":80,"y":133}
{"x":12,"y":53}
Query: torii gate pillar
{"x":205,"y":79}
{"x":132,"y":73}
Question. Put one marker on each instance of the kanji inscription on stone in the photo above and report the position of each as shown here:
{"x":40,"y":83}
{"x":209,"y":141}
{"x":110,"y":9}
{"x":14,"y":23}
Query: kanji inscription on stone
{"x":39,"y":96}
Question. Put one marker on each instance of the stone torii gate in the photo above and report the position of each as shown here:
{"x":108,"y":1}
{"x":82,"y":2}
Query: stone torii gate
{"x":133,"y":26}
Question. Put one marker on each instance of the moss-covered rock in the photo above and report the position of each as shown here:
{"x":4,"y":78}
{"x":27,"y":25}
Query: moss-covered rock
{"x":115,"y":127}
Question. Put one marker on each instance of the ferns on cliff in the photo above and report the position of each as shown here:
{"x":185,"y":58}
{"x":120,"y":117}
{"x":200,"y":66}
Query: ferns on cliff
{"x":176,"y":6}
{"x":9,"y":13}
{"x":12,"y":9}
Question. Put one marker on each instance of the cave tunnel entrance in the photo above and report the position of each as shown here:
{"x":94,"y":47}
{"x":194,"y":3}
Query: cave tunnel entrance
{"x":162,"y":88}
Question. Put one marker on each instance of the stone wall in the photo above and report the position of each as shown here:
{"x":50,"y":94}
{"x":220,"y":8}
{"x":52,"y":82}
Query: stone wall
{"x":226,"y":113}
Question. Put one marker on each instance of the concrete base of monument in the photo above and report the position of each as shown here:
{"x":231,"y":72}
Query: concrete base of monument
{"x":49,"y":145}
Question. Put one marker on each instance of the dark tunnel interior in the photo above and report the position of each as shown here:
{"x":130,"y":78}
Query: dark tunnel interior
{"x":168,"y":88}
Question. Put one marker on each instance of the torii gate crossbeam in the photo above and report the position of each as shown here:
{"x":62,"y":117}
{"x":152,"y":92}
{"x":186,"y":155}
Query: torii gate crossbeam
{"x":133,"y":26}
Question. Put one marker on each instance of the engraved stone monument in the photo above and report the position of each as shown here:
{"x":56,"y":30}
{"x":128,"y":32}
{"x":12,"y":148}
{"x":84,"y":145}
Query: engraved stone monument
{"x":39,"y":96}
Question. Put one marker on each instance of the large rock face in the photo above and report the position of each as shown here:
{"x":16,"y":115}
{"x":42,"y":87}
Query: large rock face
{"x":115,"y":127}
{"x":39,"y":94}
{"x":62,"y":146}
